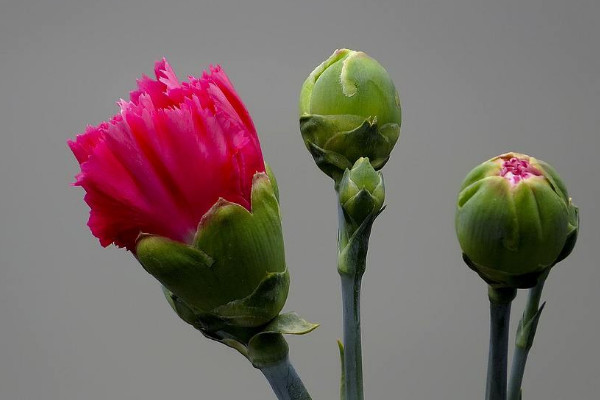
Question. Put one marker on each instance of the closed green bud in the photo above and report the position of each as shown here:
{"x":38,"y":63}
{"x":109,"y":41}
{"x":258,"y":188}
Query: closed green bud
{"x":234,"y":271}
{"x":361,"y":191}
{"x":349,"y":108}
{"x":514,"y":220}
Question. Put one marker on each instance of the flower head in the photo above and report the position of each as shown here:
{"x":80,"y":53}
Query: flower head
{"x":178,"y":178}
{"x":514,"y":220}
{"x":174,"y":149}
{"x":349,"y":108}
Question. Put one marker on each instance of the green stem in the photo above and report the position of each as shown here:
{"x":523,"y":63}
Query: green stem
{"x":285,"y":382}
{"x":500,"y":302}
{"x":352,"y":338}
{"x":351,"y":282}
{"x":523,"y":346}
{"x":516,"y":373}
{"x":533,"y":300}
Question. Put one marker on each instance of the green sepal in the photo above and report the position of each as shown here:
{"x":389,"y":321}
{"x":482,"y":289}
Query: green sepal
{"x":361,"y":191}
{"x":234,"y":344}
{"x":256,"y":310}
{"x":272,"y":179}
{"x":333,"y":164}
{"x":573,"y":232}
{"x":527,"y":328}
{"x":245,"y":245}
{"x":203,"y":321}
{"x":336,"y":142}
{"x":499,"y":279}
{"x":184,"y":311}
{"x":260,"y":306}
{"x":369,"y":140}
{"x":236,"y":264}
{"x":553,"y":178}
{"x":352,"y":257}
{"x":212,"y":327}
{"x":360,"y":206}
{"x":183,"y":270}
{"x":362,"y":175}
{"x":267,"y":349}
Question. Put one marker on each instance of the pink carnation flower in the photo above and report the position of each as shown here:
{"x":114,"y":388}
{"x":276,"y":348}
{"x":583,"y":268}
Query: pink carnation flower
{"x":160,"y":164}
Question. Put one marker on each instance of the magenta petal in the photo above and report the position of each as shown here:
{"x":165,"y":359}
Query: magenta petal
{"x":166,"y":75}
{"x":171,"y":153}
{"x":84,"y":144}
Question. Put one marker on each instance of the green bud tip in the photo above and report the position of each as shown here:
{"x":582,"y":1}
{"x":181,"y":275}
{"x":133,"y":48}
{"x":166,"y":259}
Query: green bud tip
{"x":351,"y":83}
{"x":361,"y":190}
{"x":514,"y":220}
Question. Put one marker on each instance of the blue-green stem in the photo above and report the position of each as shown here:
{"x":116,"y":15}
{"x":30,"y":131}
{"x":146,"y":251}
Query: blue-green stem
{"x":522,"y":348}
{"x":500,"y":302}
{"x":351,"y":282}
{"x":352,"y":338}
{"x":285,"y":382}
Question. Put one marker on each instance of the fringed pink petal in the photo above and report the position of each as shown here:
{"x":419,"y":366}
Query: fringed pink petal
{"x":172,"y":152}
{"x":218,"y":77}
{"x":84,"y":144}
{"x":166,"y":75}
{"x":158,"y":89}
{"x":125,"y":193}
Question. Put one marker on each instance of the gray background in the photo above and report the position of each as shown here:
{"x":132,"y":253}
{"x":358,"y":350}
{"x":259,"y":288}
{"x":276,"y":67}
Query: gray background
{"x":476,"y":78}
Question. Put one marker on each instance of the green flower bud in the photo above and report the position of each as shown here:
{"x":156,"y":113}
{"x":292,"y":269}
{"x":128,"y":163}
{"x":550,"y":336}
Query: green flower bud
{"x":234,"y":272}
{"x":361,"y":191}
{"x":514,"y":220}
{"x":349,"y":108}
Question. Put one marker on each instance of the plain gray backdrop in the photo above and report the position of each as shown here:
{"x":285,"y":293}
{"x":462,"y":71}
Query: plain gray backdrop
{"x":476,"y":78}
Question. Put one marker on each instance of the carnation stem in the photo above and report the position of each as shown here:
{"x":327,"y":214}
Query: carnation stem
{"x":285,"y":382}
{"x":522,"y":347}
{"x":352,"y":338}
{"x":500,"y":302}
{"x":516,"y":374}
{"x":351,"y":283}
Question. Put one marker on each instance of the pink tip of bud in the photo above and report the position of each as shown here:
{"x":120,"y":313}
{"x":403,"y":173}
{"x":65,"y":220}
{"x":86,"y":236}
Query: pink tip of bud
{"x":515,"y":170}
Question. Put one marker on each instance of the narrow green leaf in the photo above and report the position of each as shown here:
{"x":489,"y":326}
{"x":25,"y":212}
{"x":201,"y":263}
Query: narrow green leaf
{"x":291,"y":324}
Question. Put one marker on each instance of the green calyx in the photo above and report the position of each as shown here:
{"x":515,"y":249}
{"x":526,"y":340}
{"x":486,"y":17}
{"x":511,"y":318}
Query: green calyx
{"x":349,"y":108}
{"x":514,"y":220}
{"x":361,"y":191}
{"x":234,"y":272}
{"x":262,"y":345}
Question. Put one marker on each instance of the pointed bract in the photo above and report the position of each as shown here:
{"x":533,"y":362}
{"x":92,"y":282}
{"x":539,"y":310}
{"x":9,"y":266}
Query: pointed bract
{"x":361,"y":191}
